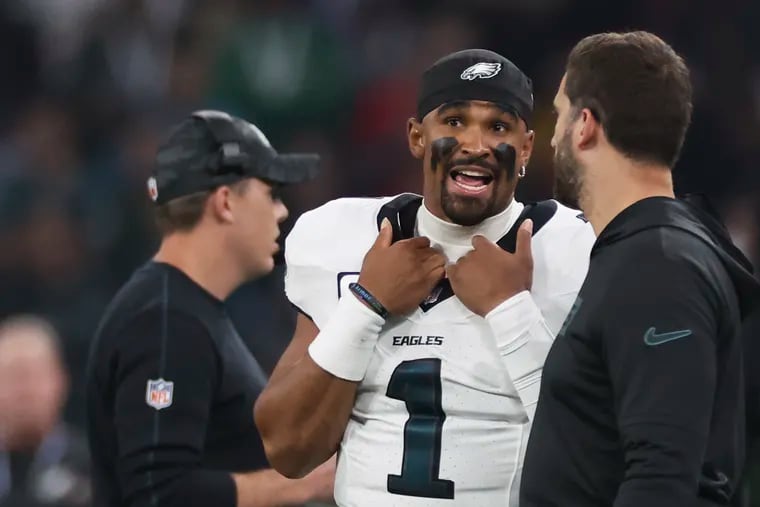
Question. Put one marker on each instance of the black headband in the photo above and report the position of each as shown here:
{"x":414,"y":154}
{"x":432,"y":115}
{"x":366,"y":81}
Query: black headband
{"x":472,"y":91}
{"x":476,"y":74}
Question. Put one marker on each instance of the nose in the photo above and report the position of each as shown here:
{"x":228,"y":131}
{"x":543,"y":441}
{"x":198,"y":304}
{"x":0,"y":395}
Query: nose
{"x":555,"y":134}
{"x":473,"y":143}
{"x":280,"y":211}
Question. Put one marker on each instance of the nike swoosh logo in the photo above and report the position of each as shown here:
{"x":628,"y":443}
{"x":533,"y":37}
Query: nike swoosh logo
{"x":652,"y":338}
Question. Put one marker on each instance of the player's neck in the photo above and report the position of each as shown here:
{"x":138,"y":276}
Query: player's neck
{"x":455,"y":240}
{"x":201,"y":260}
{"x":608,"y":192}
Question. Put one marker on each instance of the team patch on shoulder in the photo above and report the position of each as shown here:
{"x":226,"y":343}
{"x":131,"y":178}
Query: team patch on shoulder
{"x":159,"y":393}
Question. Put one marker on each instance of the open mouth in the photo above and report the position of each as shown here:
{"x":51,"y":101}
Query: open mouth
{"x":471,"y":180}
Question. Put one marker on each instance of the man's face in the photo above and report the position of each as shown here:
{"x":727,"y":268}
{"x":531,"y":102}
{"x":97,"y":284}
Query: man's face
{"x":568,"y":171}
{"x":472,"y":150}
{"x":258,"y":213}
{"x":32,"y":387}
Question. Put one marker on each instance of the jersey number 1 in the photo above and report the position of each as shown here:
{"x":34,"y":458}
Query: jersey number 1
{"x":418,"y":384}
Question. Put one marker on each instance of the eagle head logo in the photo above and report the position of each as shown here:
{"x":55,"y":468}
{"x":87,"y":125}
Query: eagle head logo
{"x":482,"y":70}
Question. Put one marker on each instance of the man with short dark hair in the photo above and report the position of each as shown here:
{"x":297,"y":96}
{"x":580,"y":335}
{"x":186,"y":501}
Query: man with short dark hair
{"x":170,"y":385}
{"x":642,"y":400}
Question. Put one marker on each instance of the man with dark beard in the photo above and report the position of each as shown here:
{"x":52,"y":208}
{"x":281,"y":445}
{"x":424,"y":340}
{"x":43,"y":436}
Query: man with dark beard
{"x":642,"y":400}
{"x":421,"y":360}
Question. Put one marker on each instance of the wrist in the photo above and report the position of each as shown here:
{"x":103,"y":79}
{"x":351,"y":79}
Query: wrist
{"x":513,"y":317}
{"x":345,"y":346}
{"x":509,"y":302}
{"x":368,"y":299}
{"x":508,"y":299}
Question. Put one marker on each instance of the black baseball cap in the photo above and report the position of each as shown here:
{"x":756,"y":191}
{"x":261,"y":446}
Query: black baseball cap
{"x":476,"y":74}
{"x":212,"y":148}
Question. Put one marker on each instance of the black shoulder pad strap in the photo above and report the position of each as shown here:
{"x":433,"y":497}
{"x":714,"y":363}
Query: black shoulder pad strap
{"x":540,"y":212}
{"x":402,"y":213}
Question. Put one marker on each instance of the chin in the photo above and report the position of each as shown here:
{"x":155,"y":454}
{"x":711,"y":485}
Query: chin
{"x":466,"y":211}
{"x":466,"y":219}
{"x":259,"y":268}
{"x":266,"y":267}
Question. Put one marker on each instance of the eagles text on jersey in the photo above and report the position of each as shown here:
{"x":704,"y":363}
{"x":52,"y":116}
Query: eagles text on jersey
{"x":437,"y":419}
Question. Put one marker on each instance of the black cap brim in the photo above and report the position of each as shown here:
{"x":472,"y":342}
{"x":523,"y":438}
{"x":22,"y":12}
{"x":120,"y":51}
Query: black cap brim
{"x":290,"y":168}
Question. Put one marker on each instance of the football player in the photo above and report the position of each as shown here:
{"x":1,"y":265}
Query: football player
{"x":425,"y":320}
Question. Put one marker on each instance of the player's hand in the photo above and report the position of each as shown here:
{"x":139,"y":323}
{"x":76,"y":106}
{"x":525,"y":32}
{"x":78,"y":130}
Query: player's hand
{"x":488,"y":275}
{"x":401,"y":275}
{"x":320,"y":482}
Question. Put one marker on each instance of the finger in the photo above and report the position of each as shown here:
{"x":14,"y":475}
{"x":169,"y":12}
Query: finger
{"x":436,"y":260}
{"x":437,"y":273}
{"x":481,"y":242}
{"x":431,"y":253}
{"x":417,"y":242}
{"x":385,"y":236}
{"x":452,"y":271}
{"x":524,"y":236}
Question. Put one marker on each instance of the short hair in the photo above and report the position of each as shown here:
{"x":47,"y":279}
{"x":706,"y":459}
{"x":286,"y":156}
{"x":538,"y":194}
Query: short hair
{"x":638,"y":88}
{"x":184,"y":213}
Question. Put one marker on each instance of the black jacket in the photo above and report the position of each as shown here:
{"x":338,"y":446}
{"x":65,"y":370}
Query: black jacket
{"x":643,"y":395}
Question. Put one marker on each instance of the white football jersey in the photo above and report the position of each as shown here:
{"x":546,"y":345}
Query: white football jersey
{"x":437,"y":419}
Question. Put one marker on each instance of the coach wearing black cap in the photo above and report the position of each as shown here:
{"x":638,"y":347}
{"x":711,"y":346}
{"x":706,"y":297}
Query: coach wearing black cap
{"x":170,"y":384}
{"x":422,"y":363}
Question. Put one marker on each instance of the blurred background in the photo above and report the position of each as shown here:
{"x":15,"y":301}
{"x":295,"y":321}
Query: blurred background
{"x":89,"y":87}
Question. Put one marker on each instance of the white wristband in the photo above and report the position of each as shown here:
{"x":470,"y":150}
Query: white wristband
{"x":345,"y":346}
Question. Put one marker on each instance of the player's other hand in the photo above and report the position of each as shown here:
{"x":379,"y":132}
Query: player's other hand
{"x":488,"y":275}
{"x":319,"y":484}
{"x":402,"y":274}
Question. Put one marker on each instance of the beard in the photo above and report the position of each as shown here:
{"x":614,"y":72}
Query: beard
{"x":469,"y":211}
{"x":568,"y":174}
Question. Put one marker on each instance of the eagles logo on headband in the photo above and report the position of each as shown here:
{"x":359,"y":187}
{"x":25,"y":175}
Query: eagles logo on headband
{"x":476,"y":74}
{"x":483,"y":70}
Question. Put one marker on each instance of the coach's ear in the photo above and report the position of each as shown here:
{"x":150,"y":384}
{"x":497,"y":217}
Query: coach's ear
{"x":416,"y":141}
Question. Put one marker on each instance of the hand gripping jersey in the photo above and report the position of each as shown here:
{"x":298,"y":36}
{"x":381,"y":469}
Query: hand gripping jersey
{"x":443,"y":413}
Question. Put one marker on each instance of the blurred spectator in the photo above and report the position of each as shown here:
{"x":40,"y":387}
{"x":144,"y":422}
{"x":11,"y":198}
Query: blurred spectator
{"x":283,"y":69}
{"x":43,"y":462}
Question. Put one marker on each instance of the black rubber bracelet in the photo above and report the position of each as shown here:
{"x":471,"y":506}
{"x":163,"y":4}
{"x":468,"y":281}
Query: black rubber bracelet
{"x":368,"y":298}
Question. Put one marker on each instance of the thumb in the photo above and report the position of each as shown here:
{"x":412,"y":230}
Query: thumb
{"x":385,"y":236}
{"x":524,"y":238}
{"x":479,"y":242}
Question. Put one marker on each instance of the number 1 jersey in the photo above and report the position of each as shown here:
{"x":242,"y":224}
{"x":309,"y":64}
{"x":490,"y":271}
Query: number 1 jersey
{"x":437,"y":418}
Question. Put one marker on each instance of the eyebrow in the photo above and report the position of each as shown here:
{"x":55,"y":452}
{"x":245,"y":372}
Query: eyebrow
{"x":454,"y":104}
{"x":465,"y":104}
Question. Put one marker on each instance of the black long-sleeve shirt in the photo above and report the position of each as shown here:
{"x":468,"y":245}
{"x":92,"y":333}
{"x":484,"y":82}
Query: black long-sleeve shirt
{"x":642,"y":397}
{"x":170,"y":389}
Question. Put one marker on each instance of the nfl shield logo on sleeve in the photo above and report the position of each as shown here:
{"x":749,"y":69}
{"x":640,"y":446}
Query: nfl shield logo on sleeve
{"x":159,"y":393}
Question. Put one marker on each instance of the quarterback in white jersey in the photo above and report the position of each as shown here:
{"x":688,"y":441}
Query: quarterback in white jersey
{"x":443,"y":408}
{"x":428,"y":404}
